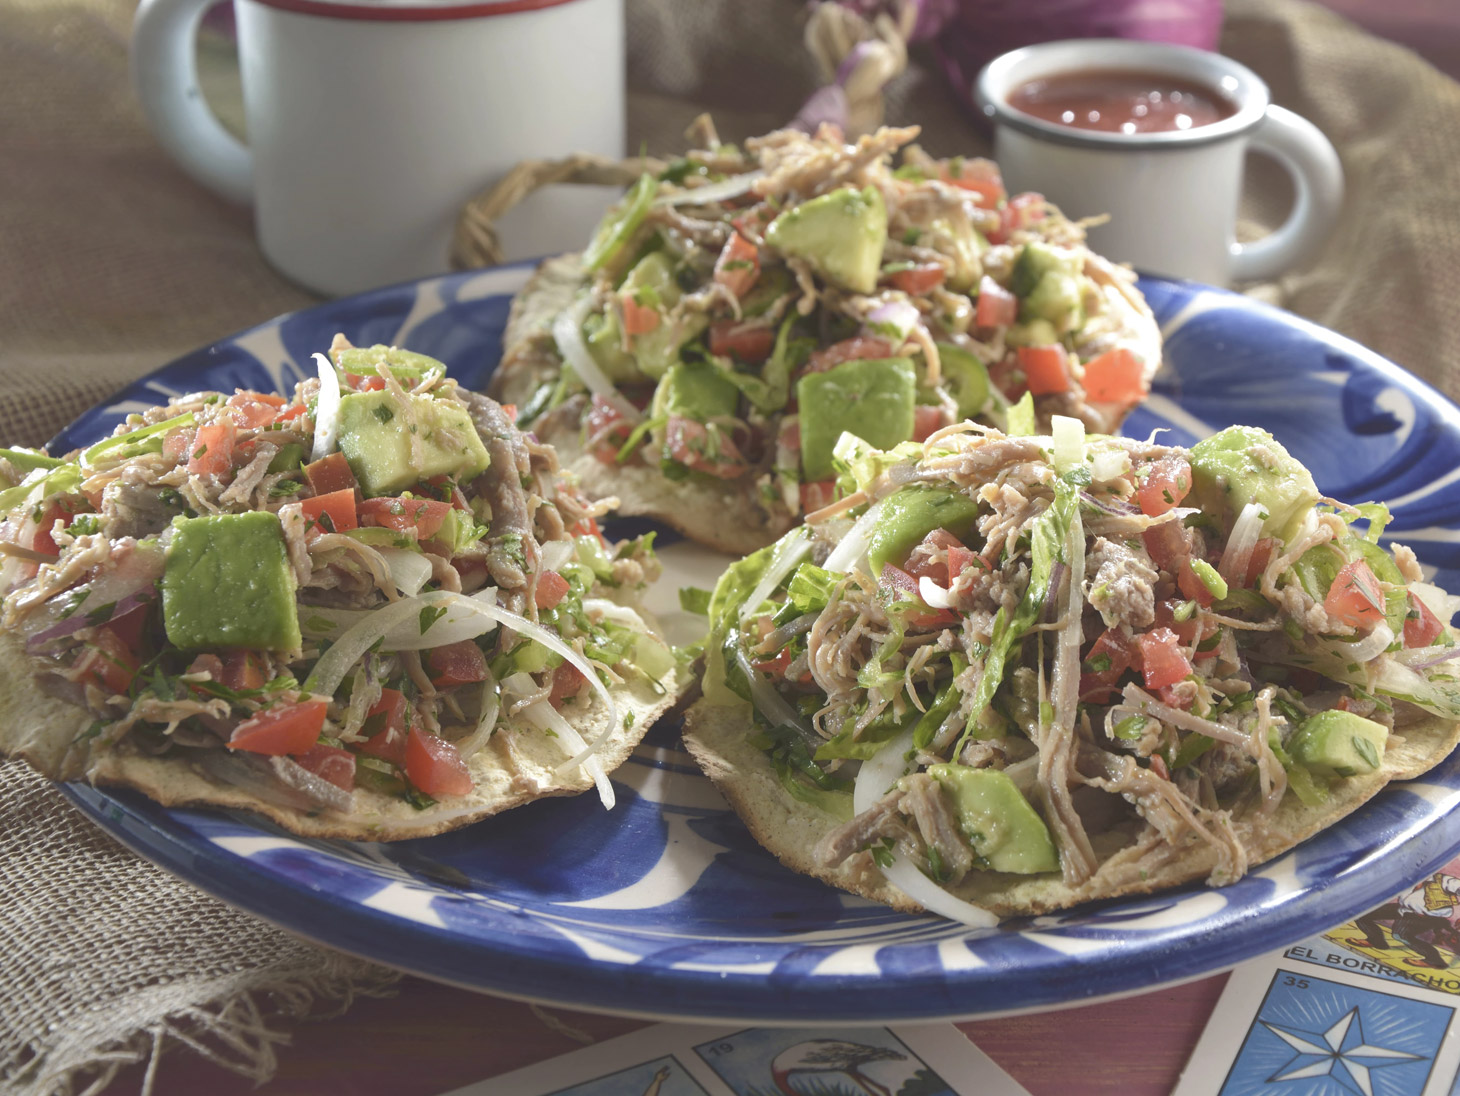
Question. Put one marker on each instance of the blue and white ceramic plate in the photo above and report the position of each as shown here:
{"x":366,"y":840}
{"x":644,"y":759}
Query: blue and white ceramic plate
{"x":665,"y":907}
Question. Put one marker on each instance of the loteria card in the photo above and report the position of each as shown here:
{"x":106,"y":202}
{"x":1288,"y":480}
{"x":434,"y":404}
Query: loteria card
{"x":692,"y":1060}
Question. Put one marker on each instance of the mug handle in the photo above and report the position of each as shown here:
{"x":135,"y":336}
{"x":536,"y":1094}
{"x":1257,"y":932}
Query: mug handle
{"x":1317,"y":175}
{"x":165,"y":75}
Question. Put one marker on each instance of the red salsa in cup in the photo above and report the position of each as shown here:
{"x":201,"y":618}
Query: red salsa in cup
{"x":1121,"y":101}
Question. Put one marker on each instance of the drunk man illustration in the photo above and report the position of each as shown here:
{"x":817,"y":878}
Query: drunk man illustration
{"x":1420,"y":920}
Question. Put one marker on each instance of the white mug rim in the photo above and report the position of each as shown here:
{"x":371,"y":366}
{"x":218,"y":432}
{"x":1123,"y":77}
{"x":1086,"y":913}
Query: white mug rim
{"x":1008,"y":70}
{"x":409,"y":11}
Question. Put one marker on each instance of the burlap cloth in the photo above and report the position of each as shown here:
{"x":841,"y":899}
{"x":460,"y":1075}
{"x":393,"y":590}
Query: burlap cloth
{"x":112,"y":263}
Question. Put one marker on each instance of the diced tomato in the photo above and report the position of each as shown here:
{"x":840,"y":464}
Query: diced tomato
{"x":1355,"y":598}
{"x":1158,"y":766}
{"x":979,"y":176}
{"x":1167,"y":482}
{"x":816,"y":495}
{"x":510,"y":410}
{"x":252,"y":410}
{"x":749,"y":344}
{"x":1261,"y":557}
{"x":364,"y":384}
{"x":107,"y":662}
{"x":1117,"y":376}
{"x":129,"y":625}
{"x":283,"y":729}
{"x":927,"y":418}
{"x":243,"y":669}
{"x":1046,"y":368}
{"x":607,"y":429}
{"x":41,"y":539}
{"x":996,"y":307}
{"x":775,"y":667}
{"x":292,"y":411}
{"x":458,"y":663}
{"x":1113,"y":652}
{"x":1421,"y":626}
{"x":212,"y":452}
{"x":639,"y":319}
{"x":330,"y":474}
{"x":385,"y":726}
{"x":587,"y":527}
{"x":738,"y":266}
{"x":206,"y":663}
{"x":551,"y":588}
{"x":332,"y":513}
{"x":177,"y":443}
{"x":330,"y":763}
{"x":568,"y":681}
{"x":922,"y":278}
{"x":919,"y":563}
{"x":754,"y":219}
{"x":903,"y":587}
{"x":1019,"y":212}
{"x":690,"y":443}
{"x":1191,"y":632}
{"x":1191,"y":585}
{"x":1162,"y":660}
{"x":1169,"y":545}
{"x":434,"y":766}
{"x":421,"y":518}
{"x":857,"y":348}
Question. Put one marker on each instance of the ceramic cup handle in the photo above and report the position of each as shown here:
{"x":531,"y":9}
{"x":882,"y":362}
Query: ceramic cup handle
{"x":1301,"y":148}
{"x":165,"y":74}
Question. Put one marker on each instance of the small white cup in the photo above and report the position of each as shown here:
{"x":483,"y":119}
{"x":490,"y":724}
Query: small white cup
{"x":371,"y":122}
{"x":1172,"y":196}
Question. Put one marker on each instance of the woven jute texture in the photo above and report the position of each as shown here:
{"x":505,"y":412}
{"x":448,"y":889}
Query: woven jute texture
{"x":112,"y":263}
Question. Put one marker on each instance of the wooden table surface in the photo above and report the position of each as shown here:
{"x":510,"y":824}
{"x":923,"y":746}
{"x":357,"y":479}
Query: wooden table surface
{"x":429,"y":1039}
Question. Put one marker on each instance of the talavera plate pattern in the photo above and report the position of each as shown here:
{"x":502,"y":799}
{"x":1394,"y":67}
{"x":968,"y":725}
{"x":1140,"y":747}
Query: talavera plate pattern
{"x":665,"y":907}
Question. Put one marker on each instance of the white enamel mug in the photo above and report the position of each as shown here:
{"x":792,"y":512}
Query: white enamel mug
{"x":1172,"y":197}
{"x":371,"y":123}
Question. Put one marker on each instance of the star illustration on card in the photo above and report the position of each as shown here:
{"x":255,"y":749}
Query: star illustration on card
{"x":1340,"y":1052}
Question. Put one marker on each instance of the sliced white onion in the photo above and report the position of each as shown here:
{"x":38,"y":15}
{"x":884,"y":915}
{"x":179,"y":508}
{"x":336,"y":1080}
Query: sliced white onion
{"x":568,"y":334}
{"x":1068,"y":450}
{"x":852,"y":548}
{"x":1371,"y":646}
{"x":1246,"y":531}
{"x":547,"y":718}
{"x":787,"y":555}
{"x":934,"y":595}
{"x":555,"y":553}
{"x":600,"y":608}
{"x":767,"y":701}
{"x":1440,"y":602}
{"x":409,"y":570}
{"x":491,"y":707}
{"x":874,"y":780}
{"x":732,"y":187}
{"x":330,"y":670}
{"x":519,"y":684}
{"x":894,"y":320}
{"x":326,"y":410}
{"x":1109,"y":464}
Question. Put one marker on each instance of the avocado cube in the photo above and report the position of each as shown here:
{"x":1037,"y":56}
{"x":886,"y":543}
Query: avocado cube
{"x":871,"y":398}
{"x":1241,"y":465}
{"x":1338,"y":743}
{"x":376,"y":433}
{"x":841,"y":234}
{"x":1003,"y":829}
{"x":228,"y":583}
{"x":696,"y":390}
{"x":911,"y":514}
{"x":604,"y":336}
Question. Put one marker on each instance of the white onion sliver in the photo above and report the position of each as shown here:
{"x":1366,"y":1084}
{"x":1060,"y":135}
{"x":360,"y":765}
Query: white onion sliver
{"x":733,"y":187}
{"x":600,"y":608}
{"x":853,"y":546}
{"x":568,"y":334}
{"x":519,"y":684}
{"x":451,"y":627}
{"x":896,"y":318}
{"x":491,"y":707}
{"x":1240,"y":542}
{"x":547,"y":718}
{"x":314,"y":618}
{"x":326,"y":410}
{"x":874,"y":780}
{"x":330,"y":670}
{"x":1109,"y":464}
{"x":785,"y":558}
{"x":552,"y":642}
{"x":934,"y":595}
{"x":765,"y":699}
{"x":555,"y":553}
{"x":409,"y":570}
{"x":1371,"y":646}
{"x":1068,"y":450}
